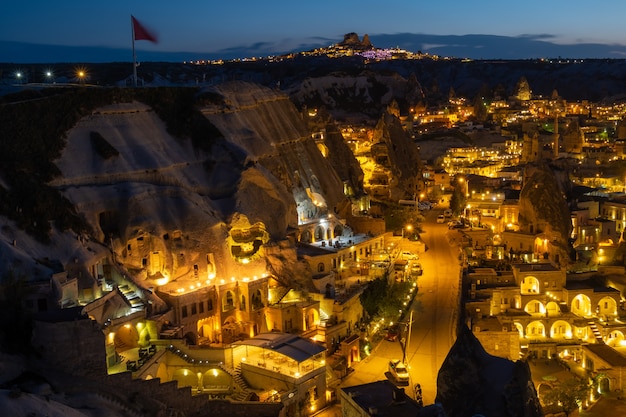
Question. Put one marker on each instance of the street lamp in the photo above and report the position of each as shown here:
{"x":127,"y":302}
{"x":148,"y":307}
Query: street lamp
{"x":408,"y":228}
{"x":18,"y":75}
{"x":466,"y":181}
{"x":49,"y":76}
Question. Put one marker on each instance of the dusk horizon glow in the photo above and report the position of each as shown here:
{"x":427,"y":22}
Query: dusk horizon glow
{"x":203,"y":27}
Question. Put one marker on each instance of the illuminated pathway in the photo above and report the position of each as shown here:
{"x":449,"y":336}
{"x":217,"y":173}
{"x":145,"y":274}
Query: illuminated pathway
{"x":435,"y":312}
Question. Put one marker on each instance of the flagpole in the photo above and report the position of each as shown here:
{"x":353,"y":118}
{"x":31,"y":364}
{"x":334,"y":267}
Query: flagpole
{"x":132,"y":28}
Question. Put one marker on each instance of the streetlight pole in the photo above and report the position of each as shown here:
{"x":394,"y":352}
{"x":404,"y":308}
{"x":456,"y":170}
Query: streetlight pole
{"x":408,"y":338}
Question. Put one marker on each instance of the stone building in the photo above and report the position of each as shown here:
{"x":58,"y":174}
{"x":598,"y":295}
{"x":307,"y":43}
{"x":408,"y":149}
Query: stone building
{"x":548,"y":312}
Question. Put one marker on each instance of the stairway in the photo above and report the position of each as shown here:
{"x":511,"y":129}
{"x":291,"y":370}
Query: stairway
{"x":242,"y":389}
{"x":596,"y":332}
{"x":131,"y":296}
{"x":281,"y":293}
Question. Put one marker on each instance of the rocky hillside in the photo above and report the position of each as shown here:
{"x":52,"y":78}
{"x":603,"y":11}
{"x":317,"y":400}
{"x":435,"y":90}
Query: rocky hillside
{"x":143,"y":175}
{"x":342,"y":84}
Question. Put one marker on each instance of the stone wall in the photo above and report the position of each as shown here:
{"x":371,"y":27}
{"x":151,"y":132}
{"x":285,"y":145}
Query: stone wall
{"x":502,"y":344}
{"x":180,"y":399}
{"x":74,"y":344}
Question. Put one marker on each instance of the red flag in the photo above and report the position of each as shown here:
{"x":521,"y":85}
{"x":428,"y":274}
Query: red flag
{"x":141,"y":33}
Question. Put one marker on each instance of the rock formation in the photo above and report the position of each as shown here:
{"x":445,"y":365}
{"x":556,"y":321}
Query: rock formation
{"x":166,"y":205}
{"x":397,"y":154}
{"x":352,"y":40}
{"x":543,"y":207}
{"x":471,"y":382}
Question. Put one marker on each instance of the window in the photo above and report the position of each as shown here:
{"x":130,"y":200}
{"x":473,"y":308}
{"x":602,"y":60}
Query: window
{"x":229,"y":301}
{"x":201,"y":307}
{"x":194,"y":309}
{"x":256,"y":300}
{"x":243,"y":302}
{"x":184,"y":311}
{"x":320,"y":267}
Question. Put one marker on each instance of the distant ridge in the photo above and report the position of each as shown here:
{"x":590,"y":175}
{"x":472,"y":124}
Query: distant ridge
{"x":473,"y":46}
{"x":31,"y":53}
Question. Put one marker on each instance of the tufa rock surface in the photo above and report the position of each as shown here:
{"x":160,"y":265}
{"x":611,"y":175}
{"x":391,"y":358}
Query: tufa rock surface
{"x":472,"y":382}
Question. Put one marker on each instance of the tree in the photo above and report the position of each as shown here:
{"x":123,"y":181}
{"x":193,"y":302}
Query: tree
{"x":372,"y":297}
{"x":480,"y":109}
{"x":398,"y":217}
{"x":568,"y":395}
{"x":458,"y":199}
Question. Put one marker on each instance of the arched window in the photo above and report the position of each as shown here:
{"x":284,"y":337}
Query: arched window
{"x":256,"y":300}
{"x":229,"y":301}
{"x":320,"y":267}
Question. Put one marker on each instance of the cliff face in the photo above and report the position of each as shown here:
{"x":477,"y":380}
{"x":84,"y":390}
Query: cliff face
{"x":169,"y":207}
{"x":402,"y":157}
{"x":271,"y":132}
{"x":543,"y":206}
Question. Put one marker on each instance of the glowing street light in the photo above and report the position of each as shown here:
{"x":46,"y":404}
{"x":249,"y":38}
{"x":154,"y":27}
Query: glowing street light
{"x":18,"y":75}
{"x":466,"y":181}
{"x":49,"y":76}
{"x":81,"y":74}
{"x":408,"y":228}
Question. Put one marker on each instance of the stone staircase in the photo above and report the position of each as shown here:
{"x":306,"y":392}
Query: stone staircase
{"x":281,"y":293}
{"x":242,"y":390}
{"x":596,"y":332}
{"x":131,"y":296}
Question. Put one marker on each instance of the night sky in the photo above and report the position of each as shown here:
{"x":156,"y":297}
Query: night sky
{"x":212,"y":26}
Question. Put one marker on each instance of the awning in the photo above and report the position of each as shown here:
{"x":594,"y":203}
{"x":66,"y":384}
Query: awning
{"x":292,"y":346}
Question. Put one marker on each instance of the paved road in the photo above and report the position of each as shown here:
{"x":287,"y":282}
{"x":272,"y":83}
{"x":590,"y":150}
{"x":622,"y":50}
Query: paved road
{"x":434,"y":317}
{"x":435,"y":309}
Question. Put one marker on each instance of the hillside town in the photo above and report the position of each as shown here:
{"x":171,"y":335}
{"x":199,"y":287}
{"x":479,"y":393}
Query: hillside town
{"x":255,"y":299}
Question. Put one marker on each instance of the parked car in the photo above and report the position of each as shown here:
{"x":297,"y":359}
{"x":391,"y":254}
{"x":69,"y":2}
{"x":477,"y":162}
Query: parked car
{"x":398,"y":370}
{"x":392,"y":333}
{"x":409,"y":255}
{"x":416,"y":269}
{"x":424,"y":205}
{"x":441,"y":218}
{"x":455,"y":224}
